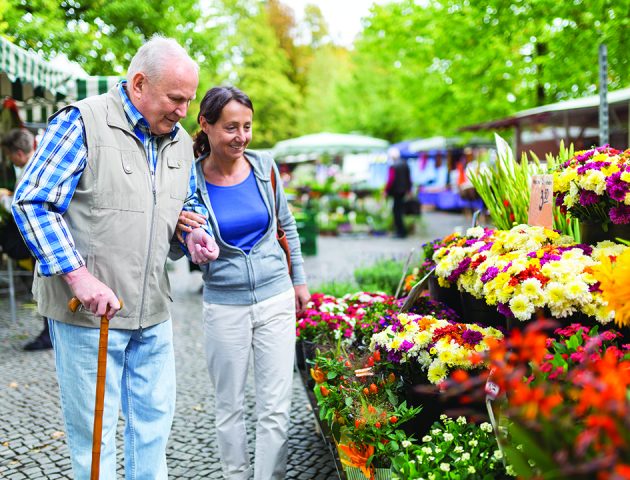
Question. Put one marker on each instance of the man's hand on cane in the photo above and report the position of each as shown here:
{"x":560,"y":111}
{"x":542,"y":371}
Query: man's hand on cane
{"x":93,"y":294}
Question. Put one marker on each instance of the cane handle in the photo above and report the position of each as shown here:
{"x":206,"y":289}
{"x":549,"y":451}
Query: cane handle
{"x":74,"y":304}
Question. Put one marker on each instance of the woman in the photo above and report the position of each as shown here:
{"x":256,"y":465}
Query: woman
{"x":249,"y":297}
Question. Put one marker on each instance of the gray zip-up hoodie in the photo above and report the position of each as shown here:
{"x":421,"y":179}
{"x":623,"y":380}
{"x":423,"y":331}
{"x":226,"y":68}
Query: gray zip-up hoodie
{"x":237,"y":278}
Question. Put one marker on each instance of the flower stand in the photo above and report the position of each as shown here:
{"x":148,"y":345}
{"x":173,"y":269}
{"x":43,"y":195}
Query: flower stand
{"x":476,"y":310}
{"x":449,"y":296}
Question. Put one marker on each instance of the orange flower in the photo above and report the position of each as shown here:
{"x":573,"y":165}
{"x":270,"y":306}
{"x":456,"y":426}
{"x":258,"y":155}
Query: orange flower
{"x":357,"y":455}
{"x":614,"y":278}
{"x":318,"y":374}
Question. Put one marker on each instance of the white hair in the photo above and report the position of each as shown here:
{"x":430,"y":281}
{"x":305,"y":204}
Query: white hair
{"x":156,"y":57}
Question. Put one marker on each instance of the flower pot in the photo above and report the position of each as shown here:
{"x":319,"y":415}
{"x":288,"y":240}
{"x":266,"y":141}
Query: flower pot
{"x":309,"y":351}
{"x":419,"y":392}
{"x":591,"y":232}
{"x":476,"y":310}
{"x":448,"y":296}
{"x":355,"y":473}
{"x":299,"y":355}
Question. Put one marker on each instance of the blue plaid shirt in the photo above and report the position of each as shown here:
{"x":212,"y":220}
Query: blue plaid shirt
{"x":51,"y":177}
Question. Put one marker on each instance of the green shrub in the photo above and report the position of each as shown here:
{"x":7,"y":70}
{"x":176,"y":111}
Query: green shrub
{"x":382,"y":276}
{"x":336,"y":288}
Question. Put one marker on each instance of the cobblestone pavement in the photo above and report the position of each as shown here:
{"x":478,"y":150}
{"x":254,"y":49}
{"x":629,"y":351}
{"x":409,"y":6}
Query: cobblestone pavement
{"x":32,"y":442}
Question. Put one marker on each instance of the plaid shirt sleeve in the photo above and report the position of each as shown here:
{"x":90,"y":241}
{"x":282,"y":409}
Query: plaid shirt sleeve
{"x":45,"y":191}
{"x":192,"y":203}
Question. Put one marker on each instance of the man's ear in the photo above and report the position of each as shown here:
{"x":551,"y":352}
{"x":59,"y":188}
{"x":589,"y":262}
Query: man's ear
{"x":137,"y":85}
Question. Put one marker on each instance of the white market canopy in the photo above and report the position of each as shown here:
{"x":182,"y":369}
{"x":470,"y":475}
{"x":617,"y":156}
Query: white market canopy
{"x":317,"y":144}
{"x":27,"y":78}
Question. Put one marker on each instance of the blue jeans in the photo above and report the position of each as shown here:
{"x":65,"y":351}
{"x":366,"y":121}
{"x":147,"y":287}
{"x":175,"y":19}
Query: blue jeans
{"x":140,"y":377}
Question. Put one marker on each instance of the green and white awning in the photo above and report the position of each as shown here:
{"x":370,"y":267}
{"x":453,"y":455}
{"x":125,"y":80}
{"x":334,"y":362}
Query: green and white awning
{"x":24,"y":75}
{"x":40,"y":88}
{"x":37,"y":111}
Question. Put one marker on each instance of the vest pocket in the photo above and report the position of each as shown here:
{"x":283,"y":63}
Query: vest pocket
{"x":115,"y":200}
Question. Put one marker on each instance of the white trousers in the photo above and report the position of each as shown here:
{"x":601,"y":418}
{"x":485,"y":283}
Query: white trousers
{"x":232,"y":333}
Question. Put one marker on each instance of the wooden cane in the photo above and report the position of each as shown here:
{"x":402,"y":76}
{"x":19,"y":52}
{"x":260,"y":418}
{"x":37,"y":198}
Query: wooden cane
{"x":99,"y":402}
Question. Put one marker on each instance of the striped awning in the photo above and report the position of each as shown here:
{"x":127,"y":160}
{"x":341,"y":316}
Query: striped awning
{"x":37,"y":110}
{"x":24,"y":75}
{"x":40,"y":88}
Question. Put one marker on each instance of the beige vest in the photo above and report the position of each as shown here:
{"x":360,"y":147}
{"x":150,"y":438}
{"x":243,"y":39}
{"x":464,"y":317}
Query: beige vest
{"x":122,"y":221}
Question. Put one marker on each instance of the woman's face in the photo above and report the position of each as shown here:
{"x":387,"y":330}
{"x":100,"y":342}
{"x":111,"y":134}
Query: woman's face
{"x":231,"y":134}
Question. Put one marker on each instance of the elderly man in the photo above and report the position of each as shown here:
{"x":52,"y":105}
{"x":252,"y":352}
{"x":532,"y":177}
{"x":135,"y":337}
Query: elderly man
{"x":98,"y":206}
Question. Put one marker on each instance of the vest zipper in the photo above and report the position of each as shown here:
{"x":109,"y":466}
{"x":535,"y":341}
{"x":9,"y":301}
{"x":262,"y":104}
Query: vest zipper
{"x":150,"y":248}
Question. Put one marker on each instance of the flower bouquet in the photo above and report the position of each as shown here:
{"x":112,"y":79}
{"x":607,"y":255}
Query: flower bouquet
{"x":594,"y":186}
{"x":432,"y":346}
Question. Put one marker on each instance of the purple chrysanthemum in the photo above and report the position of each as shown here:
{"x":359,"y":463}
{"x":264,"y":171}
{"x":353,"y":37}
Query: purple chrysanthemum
{"x":489,"y":274}
{"x":588,"y":198}
{"x":461,"y":268}
{"x":616,"y":187}
{"x":620,"y":215}
{"x":406,"y":345}
{"x":504,"y":310}
{"x":472,"y":337}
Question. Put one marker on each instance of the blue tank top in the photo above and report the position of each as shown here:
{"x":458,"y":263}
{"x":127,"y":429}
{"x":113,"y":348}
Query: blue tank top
{"x":240,"y":212}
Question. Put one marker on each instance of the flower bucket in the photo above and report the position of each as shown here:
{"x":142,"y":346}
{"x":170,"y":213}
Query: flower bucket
{"x":299,"y":355}
{"x":355,"y":473}
{"x":419,"y":392}
{"x":592,"y":232}
{"x":478,"y":311}
{"x":448,"y":296}
{"x":309,"y":350}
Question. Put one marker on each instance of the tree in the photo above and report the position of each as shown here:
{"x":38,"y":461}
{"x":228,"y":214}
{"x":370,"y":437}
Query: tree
{"x":260,"y":68}
{"x":103,"y":35}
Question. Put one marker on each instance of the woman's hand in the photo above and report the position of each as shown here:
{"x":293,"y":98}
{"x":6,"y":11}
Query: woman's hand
{"x":302,"y":297}
{"x":187,"y":222}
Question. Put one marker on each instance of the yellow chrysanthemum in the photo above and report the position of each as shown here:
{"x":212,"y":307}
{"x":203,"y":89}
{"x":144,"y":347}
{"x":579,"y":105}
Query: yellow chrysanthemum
{"x":614,"y":281}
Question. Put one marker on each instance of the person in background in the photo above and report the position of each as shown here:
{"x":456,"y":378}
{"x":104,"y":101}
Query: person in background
{"x":249,"y":296}
{"x":18,"y":146}
{"x":398,"y":187}
{"x":98,"y":206}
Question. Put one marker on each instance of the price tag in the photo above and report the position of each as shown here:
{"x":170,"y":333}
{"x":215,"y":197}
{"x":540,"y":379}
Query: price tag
{"x":492,"y":390}
{"x":541,"y":201}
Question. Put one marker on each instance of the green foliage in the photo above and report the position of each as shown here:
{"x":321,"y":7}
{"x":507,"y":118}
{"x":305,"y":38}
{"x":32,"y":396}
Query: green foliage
{"x":336,"y":288}
{"x":417,"y":68}
{"x":382,"y":276}
{"x":453,"y":449}
{"x":102,"y":35}
{"x":427,"y":68}
{"x":505,"y":185}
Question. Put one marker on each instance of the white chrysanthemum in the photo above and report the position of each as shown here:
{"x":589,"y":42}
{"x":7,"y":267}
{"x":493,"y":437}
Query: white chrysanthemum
{"x":577,"y":290}
{"x":486,"y":427}
{"x":521,"y":307}
{"x":593,"y":180}
{"x":554,"y":292}
{"x":532,"y":288}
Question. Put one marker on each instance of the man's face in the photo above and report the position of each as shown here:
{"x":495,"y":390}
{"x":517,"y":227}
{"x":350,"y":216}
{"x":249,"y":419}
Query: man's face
{"x":164,"y":101}
{"x":17,"y":158}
